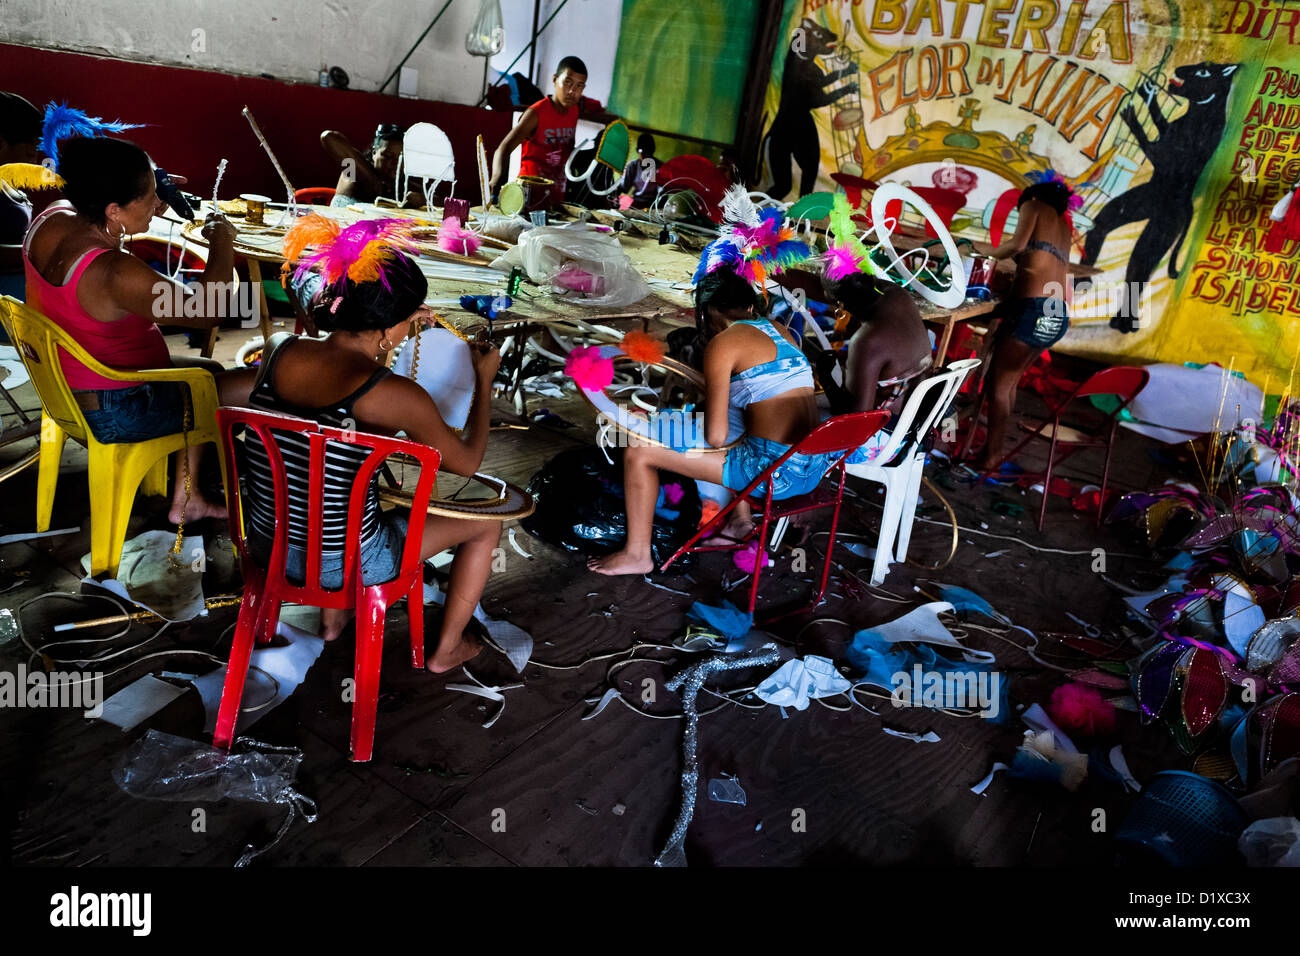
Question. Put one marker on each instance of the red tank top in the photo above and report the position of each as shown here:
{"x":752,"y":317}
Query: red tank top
{"x":545,"y":152}
{"x":129,"y":343}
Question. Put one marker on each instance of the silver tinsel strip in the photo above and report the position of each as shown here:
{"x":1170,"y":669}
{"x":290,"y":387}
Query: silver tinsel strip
{"x":692,"y":679}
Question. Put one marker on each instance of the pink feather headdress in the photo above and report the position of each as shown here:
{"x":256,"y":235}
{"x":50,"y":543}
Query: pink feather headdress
{"x":360,"y":253}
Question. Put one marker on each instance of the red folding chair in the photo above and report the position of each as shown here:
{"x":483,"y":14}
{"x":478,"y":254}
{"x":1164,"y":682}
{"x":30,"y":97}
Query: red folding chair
{"x":314,"y":195}
{"x":265,"y":587}
{"x":837,"y":436}
{"x":1122,"y":381}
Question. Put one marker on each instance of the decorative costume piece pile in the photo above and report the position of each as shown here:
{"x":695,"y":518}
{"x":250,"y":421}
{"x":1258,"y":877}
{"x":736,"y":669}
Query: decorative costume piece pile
{"x":1226,"y":662}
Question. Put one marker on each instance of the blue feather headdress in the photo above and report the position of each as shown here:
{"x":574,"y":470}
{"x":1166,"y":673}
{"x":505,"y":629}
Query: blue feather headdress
{"x":753,"y":244}
{"x":64,"y":122}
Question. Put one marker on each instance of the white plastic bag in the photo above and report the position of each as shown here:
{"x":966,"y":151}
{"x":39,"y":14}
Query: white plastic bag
{"x":1272,"y":842}
{"x":546,"y":250}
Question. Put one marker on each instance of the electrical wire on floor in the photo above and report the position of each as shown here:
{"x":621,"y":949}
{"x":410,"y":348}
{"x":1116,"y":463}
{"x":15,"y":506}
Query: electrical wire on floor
{"x":43,"y":650}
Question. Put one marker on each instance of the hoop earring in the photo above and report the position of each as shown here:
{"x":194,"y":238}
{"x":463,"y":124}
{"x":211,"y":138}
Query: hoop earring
{"x":385,"y":345}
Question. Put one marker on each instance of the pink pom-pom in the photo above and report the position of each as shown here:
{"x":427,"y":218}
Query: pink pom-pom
{"x":1081,"y":710}
{"x":453,"y":238}
{"x":673,"y":493}
{"x":585,"y":366}
{"x":747,"y":558}
{"x":841,"y":261}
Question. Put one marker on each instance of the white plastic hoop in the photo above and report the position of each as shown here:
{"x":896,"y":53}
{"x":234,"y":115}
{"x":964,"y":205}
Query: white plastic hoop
{"x":586,"y":177}
{"x":948,"y":298}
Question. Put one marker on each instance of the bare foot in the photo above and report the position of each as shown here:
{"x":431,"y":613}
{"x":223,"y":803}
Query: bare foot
{"x":622,"y":562}
{"x":197,"y":509}
{"x":453,"y":655}
{"x":735,"y":531}
{"x":332,"y":622}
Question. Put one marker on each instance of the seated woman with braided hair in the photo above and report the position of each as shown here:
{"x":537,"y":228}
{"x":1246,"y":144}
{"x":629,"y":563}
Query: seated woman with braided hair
{"x":756,"y":379}
{"x":343,"y":381}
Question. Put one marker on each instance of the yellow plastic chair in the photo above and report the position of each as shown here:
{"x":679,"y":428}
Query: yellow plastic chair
{"x":116,"y":471}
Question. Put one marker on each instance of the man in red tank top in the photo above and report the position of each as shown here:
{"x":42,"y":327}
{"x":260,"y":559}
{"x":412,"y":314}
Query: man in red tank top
{"x":548,"y":128}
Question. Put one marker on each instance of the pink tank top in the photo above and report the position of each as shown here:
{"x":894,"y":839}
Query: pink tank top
{"x":129,"y":343}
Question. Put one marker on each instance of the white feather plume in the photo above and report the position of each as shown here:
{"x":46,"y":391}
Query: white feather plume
{"x":738,"y":208}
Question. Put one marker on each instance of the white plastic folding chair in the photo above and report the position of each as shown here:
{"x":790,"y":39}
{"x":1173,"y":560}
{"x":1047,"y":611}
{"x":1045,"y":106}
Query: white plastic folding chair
{"x":901,"y":462}
{"x":426,"y":155}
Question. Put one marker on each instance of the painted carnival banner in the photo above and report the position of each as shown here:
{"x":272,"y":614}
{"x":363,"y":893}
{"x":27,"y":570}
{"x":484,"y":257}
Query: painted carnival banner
{"x":1173,"y":120}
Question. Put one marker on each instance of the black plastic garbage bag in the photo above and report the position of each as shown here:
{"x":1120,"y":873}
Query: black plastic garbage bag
{"x":580,"y":506}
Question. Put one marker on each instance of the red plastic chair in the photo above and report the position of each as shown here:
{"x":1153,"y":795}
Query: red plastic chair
{"x":837,"y":436}
{"x":1122,"y":381}
{"x":314,"y":195}
{"x":265,"y":588}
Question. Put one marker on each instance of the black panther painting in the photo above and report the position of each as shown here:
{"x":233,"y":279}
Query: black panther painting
{"x":1178,"y":156}
{"x":803,"y":89}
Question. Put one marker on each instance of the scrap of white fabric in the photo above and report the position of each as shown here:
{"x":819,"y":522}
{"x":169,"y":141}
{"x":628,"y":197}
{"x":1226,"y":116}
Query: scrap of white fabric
{"x":983,"y":785}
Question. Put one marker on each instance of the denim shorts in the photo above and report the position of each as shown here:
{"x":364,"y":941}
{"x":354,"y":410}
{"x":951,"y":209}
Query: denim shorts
{"x":799,"y":475}
{"x":138,"y":413}
{"x":381,"y":556}
{"x":1040,"y":322}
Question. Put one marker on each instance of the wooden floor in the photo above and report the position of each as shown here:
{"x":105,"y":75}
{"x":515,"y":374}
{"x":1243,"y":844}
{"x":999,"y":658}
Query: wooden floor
{"x":542,"y":786}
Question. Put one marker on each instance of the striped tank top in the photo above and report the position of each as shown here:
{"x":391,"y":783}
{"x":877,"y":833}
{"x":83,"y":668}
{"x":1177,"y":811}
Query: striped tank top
{"x":342,"y":462}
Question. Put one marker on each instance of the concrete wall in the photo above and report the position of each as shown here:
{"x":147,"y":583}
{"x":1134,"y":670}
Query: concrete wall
{"x":584,"y":28}
{"x":292,"y":39}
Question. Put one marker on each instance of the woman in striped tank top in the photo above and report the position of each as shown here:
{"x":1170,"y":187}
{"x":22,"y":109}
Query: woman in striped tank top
{"x":343,"y":381}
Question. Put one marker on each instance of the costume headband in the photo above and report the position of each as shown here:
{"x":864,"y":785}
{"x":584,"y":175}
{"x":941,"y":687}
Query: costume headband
{"x":362,"y":252}
{"x":1052,"y":176}
{"x":754,"y":242}
{"x":64,"y":122}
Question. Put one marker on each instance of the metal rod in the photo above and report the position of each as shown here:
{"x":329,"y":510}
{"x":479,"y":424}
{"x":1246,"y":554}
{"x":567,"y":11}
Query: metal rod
{"x":532,"y":46}
{"x":392,"y":76}
{"x":536,"y":34}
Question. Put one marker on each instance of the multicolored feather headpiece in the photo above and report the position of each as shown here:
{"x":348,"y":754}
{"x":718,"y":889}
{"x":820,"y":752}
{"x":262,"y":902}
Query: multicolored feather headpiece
{"x":845,"y":254}
{"x":64,"y":122}
{"x":754,"y":242}
{"x":359,"y":253}
{"x":1052,"y":176}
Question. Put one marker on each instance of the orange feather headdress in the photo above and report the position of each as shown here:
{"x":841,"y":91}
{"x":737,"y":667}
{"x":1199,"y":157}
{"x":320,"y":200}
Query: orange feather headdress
{"x":359,"y":253}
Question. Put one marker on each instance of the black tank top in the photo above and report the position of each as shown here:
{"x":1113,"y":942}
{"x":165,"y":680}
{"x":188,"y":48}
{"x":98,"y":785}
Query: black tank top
{"x":342,"y":462}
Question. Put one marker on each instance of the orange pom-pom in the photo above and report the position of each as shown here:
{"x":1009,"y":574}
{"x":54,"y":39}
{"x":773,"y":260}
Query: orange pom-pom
{"x":310,"y":230}
{"x":641,"y":347}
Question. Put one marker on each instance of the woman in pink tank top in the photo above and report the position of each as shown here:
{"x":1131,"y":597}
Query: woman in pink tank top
{"x":79,"y":277}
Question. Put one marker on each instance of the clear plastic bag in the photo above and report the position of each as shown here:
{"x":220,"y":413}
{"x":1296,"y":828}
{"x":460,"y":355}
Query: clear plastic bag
{"x":165,"y":767}
{"x":1272,"y":842}
{"x":487,"y":35}
{"x":545,"y":251}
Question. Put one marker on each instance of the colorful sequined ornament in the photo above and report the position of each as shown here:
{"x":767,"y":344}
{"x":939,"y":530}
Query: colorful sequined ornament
{"x":1155,"y":678}
{"x":1205,"y":691}
{"x":1281,"y":736}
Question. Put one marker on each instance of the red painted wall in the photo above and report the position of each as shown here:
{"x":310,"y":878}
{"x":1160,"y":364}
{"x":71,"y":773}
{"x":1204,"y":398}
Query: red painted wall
{"x":194,"y":118}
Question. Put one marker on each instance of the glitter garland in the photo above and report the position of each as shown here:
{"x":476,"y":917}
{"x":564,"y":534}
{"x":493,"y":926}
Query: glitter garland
{"x":692,"y":679}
